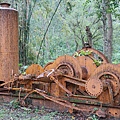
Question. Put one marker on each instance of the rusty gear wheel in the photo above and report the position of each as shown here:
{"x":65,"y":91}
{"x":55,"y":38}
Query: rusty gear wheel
{"x":113,"y":79}
{"x":48,"y":66}
{"x":94,"y":87}
{"x":109,"y":73}
{"x":66,"y":69}
{"x":68,"y":65}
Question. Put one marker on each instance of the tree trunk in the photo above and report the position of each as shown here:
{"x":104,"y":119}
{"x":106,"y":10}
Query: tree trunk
{"x":107,"y":29}
{"x":24,"y":28}
{"x":109,"y":36}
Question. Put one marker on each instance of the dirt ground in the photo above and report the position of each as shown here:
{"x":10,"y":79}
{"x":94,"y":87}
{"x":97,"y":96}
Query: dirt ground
{"x":12,"y":111}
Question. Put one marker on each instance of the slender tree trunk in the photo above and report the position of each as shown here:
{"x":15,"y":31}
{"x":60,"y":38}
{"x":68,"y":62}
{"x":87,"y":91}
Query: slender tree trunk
{"x":107,"y":29}
{"x":109,"y":36}
{"x":104,"y":20}
{"x":26,"y":13}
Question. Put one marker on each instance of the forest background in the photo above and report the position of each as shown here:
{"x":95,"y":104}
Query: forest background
{"x":51,"y":28}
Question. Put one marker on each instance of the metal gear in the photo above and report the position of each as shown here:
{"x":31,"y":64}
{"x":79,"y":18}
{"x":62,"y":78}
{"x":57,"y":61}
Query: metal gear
{"x":68,"y":65}
{"x":108,"y":73}
{"x":48,"y":66}
{"x":66,"y":69}
{"x":112,"y":79}
{"x":94,"y":87}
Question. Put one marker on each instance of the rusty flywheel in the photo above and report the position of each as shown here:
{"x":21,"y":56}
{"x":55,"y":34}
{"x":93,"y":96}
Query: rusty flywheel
{"x":48,"y":66}
{"x":94,"y":87}
{"x":109,"y":75}
{"x":90,"y":59}
{"x":68,"y":66}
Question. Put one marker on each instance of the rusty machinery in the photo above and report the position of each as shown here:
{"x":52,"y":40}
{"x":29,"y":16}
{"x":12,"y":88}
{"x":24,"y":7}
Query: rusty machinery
{"x":69,"y":80}
{"x":85,"y":79}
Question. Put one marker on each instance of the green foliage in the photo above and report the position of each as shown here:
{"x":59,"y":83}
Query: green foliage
{"x":49,"y":116}
{"x":2,"y":114}
{"x":69,"y":6}
{"x":113,"y":6}
{"x":93,"y":117}
{"x":87,"y":52}
{"x":97,"y":62}
{"x":67,"y":30}
{"x":22,"y":69}
{"x":14,"y":103}
{"x":86,"y":3}
{"x":31,"y":55}
{"x":82,"y":53}
{"x":20,"y":64}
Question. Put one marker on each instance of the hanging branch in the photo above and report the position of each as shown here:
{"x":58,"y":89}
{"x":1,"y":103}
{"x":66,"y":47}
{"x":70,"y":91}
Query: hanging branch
{"x":47,"y":29}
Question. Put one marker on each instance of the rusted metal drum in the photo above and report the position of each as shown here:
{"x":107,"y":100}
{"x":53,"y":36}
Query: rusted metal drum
{"x":9,"y":54}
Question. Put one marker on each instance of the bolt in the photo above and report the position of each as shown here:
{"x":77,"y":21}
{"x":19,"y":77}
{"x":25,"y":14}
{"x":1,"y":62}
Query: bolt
{"x":93,"y":86}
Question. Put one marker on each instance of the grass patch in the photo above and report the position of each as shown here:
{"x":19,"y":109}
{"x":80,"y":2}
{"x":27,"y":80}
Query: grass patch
{"x":2,"y":114}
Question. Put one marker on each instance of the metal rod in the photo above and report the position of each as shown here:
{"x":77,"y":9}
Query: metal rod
{"x":80,"y":80}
